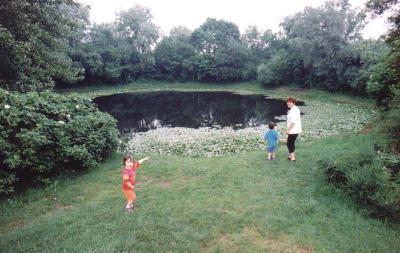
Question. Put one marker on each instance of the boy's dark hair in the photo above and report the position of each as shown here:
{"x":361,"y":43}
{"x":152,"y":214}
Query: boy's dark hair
{"x":126,"y":158}
{"x":271,"y":125}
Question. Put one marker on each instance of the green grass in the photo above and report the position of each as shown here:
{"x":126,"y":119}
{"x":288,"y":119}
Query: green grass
{"x":231,"y":203}
{"x":234,"y":203}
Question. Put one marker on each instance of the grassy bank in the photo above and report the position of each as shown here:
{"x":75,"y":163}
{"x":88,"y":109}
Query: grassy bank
{"x":209,"y":200}
{"x":235,"y":203}
{"x":239,"y":88}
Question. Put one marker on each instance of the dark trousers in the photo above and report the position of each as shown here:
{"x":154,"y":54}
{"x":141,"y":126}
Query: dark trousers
{"x":290,"y":142}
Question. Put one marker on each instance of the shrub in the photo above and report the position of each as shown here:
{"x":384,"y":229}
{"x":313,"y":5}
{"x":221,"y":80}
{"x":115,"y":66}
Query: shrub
{"x":45,"y":134}
{"x":367,"y":176}
{"x":389,"y":122}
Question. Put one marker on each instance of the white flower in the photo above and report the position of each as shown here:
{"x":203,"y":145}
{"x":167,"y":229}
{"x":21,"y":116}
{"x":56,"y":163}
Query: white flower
{"x":68,"y":116}
{"x":77,"y":106}
{"x":7,"y":106}
{"x":60,"y":122}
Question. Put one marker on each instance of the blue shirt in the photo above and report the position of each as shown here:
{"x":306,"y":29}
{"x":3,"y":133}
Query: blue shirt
{"x":272,"y":137}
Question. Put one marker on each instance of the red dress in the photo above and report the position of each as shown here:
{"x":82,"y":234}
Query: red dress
{"x":129,"y":176}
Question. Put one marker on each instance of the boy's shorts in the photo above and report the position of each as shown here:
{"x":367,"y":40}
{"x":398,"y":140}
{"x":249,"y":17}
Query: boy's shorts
{"x":272,"y":149}
{"x":130,"y":195}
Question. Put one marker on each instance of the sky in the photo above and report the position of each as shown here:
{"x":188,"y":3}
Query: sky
{"x":265,"y":14}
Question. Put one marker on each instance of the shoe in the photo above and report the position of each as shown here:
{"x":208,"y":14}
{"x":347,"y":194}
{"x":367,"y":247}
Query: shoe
{"x":132,"y":208}
{"x":269,"y":160}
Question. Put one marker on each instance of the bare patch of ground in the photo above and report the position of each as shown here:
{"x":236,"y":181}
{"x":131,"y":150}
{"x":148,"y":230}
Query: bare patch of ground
{"x":227,"y":242}
{"x":281,"y":245}
{"x":262,"y":183}
{"x":17,"y":224}
{"x":179,"y":181}
{"x":146,"y":180}
{"x":59,"y":206}
{"x":165,"y":184}
{"x":345,"y":101}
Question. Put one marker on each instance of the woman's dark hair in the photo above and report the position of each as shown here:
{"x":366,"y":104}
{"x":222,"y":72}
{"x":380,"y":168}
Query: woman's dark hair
{"x":128,"y":157}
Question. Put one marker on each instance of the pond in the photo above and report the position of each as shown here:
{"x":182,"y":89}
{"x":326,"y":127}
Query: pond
{"x":139,"y":112}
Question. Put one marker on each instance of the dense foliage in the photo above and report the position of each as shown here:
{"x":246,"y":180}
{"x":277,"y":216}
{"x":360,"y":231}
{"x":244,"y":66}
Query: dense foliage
{"x":35,"y":41}
{"x":384,"y":83}
{"x":44,"y":134}
{"x":367,"y":175}
{"x":369,"y":172}
{"x":319,"y":47}
{"x":120,"y":51}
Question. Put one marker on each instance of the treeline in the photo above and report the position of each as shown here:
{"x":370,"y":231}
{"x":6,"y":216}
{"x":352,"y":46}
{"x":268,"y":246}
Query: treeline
{"x":48,"y":43}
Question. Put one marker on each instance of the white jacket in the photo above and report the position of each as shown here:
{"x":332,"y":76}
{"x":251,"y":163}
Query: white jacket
{"x":294,"y":117}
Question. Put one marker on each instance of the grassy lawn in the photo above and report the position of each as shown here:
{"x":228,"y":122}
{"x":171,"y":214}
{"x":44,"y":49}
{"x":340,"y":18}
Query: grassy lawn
{"x":234,"y":203}
{"x":213,"y":201}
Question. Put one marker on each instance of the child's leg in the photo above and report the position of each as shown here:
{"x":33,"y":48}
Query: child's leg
{"x":273,"y":155}
{"x":130,"y":196}
{"x":269,"y":156}
{"x":129,"y":204}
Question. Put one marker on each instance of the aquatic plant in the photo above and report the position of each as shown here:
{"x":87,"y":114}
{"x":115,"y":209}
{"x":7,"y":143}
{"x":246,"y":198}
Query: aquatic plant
{"x":320,"y":118}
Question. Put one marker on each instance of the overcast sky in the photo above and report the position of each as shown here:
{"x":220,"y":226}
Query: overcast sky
{"x":265,"y":14}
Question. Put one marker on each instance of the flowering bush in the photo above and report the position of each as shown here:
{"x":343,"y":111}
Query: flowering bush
{"x":45,"y":134}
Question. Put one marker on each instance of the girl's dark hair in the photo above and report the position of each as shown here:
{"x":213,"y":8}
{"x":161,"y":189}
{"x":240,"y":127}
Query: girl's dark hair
{"x":128,"y":157}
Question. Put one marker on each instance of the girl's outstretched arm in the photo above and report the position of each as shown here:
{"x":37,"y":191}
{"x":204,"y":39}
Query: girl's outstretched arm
{"x":143,"y":160}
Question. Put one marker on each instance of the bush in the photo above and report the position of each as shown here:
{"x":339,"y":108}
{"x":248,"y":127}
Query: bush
{"x":42,"y":135}
{"x":368,"y":177}
{"x":389,"y":123}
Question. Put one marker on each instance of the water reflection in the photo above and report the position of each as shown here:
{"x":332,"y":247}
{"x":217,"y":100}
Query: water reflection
{"x":144,"y":111}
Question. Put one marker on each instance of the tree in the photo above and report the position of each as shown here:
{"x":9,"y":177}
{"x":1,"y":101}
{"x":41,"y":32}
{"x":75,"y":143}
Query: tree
{"x":321,"y":35}
{"x":102,"y":55}
{"x":261,"y":46}
{"x":136,"y":27}
{"x":230,"y":62}
{"x":34,"y":44}
{"x":360,"y":57}
{"x":276,"y":71}
{"x":173,"y":55}
{"x":384,"y":83}
{"x":218,"y":48}
{"x":385,"y":77}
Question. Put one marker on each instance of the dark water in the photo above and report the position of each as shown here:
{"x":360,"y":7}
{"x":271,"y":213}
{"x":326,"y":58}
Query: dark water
{"x":144,"y":111}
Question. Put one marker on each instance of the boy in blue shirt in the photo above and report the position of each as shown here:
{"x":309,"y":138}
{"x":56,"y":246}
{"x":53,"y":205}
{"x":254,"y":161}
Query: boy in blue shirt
{"x":272,"y":137}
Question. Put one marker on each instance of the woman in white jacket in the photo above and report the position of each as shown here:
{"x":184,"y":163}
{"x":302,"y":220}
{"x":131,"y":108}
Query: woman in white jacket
{"x":293,"y":126}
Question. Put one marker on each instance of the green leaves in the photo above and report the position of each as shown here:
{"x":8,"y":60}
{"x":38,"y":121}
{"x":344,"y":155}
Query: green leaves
{"x":46,"y":134}
{"x":34,"y":39}
{"x":317,"y":44}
